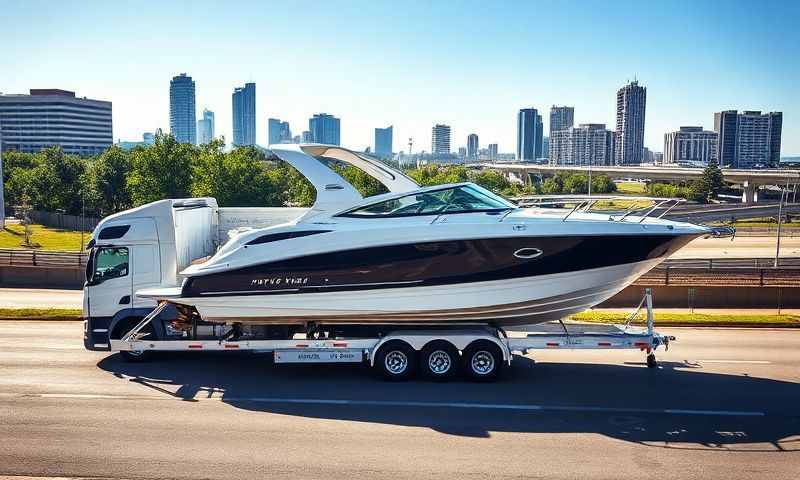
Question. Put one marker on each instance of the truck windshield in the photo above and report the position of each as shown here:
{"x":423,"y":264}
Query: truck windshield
{"x":109,"y":262}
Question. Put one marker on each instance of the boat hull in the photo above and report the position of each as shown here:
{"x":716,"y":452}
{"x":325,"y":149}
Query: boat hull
{"x":519,"y":301}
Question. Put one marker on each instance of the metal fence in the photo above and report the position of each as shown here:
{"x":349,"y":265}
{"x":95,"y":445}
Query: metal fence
{"x":33,"y":258}
{"x":726,"y":272}
{"x":60,"y":220}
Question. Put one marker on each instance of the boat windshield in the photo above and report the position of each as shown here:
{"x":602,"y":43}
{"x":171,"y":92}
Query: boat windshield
{"x":459,"y":199}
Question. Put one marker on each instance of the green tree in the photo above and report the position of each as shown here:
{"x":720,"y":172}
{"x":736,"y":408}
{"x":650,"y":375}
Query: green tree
{"x":106,"y":182}
{"x":712,"y":178}
{"x":56,"y":182}
{"x":162,"y":170}
{"x":366,"y":185}
{"x":603,"y":184}
{"x":576,"y":184}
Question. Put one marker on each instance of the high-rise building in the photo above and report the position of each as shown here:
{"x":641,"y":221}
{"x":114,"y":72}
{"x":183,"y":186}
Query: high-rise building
{"x":725,"y":124}
{"x":325,"y":129}
{"x":631,"y":101}
{"x":244,"y":115}
{"x":748,"y":139}
{"x":52,"y":117}
{"x":440,"y":139}
{"x":561,"y":118}
{"x":149,"y":138}
{"x":545,"y":147}
{"x":529,"y":135}
{"x":383,"y":141}
{"x":586,"y":144}
{"x":690,"y":144}
{"x":472,"y":146}
{"x":273,"y":131}
{"x":278,"y":131}
{"x":205,"y":128}
{"x":306,"y":137}
{"x":775,"y":130}
{"x":182,"y":114}
{"x":462,"y":153}
{"x":493,"y":151}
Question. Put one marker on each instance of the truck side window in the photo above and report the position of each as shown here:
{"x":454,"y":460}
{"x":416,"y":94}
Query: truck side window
{"x":110,"y":262}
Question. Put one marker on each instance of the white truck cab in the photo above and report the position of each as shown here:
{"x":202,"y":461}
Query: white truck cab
{"x":149,"y":246}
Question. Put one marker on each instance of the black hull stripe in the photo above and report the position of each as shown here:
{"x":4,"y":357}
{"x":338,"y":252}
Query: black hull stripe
{"x":434,"y":263}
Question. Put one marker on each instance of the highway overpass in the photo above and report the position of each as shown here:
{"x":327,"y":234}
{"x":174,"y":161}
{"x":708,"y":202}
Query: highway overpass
{"x":750,"y":180}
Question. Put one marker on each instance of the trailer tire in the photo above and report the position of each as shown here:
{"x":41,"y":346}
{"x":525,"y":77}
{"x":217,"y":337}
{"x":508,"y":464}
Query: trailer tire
{"x":396,"y":361}
{"x":121,"y":329}
{"x":136,"y":357}
{"x":482,"y":361}
{"x":439,"y":360}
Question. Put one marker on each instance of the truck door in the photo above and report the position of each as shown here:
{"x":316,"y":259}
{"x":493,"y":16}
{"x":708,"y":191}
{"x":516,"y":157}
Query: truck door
{"x":145,"y":271}
{"x":109,"y":285}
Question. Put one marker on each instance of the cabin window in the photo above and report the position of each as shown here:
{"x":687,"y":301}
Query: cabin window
{"x":109,"y":262}
{"x":460,"y":199}
{"x":110,"y":233}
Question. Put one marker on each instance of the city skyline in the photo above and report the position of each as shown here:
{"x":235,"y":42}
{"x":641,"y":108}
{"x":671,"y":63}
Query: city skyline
{"x":746,"y":62}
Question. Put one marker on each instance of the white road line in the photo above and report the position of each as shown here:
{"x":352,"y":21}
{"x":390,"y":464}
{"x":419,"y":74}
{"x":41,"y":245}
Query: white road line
{"x":754,"y":362}
{"x":390,"y":403}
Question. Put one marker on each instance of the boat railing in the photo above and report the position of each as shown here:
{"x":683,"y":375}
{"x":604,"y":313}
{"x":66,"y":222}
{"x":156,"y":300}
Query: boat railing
{"x":619,"y":207}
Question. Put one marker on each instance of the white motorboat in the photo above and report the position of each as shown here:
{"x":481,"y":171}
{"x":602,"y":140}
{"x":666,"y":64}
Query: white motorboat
{"x":446,"y":254}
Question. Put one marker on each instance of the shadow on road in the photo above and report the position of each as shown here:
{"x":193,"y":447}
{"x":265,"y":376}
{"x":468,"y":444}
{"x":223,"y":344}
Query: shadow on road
{"x":628,"y":399}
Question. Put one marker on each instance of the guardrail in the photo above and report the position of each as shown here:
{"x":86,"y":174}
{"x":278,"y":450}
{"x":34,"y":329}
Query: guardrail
{"x":34,"y":258}
{"x":726,"y":272}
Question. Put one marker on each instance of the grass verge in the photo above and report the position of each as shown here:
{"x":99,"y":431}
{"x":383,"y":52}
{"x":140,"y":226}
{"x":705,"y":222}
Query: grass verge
{"x":40,"y":314}
{"x":692,"y":319}
{"x":46,"y":238}
{"x":663,"y":319}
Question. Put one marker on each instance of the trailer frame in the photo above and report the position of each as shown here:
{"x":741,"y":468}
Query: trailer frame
{"x":357,"y":350}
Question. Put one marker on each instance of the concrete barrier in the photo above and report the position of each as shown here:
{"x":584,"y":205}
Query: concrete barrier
{"x":41,"y":277}
{"x":709,"y":297}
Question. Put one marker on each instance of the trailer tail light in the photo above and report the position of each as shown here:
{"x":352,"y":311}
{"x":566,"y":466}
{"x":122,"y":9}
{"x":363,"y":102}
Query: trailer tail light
{"x":196,"y":345}
{"x":231,"y":345}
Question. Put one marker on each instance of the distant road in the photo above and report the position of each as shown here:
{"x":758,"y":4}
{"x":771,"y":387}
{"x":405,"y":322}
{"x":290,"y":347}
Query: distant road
{"x":739,"y":247}
{"x":723,"y":405}
{"x":40,"y":298}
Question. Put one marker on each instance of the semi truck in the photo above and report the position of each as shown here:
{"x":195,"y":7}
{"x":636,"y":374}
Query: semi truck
{"x":149,"y":246}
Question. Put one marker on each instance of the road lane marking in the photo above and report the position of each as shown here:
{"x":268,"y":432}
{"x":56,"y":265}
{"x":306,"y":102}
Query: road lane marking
{"x":754,"y":362}
{"x":392,"y":403}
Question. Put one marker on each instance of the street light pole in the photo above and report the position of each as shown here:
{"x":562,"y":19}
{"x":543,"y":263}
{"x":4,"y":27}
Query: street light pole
{"x":2,"y":199}
{"x":590,"y":176}
{"x":780,"y":222}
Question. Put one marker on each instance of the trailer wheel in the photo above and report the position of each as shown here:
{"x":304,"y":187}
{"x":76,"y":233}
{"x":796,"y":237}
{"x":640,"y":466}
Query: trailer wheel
{"x":651,"y":361}
{"x":396,"y":361}
{"x":439,"y":360}
{"x":482,"y":361}
{"x":136,"y":356}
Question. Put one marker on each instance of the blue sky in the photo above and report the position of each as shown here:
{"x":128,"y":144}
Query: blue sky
{"x":469,"y":64}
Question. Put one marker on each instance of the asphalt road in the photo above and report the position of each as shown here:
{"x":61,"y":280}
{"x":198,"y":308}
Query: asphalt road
{"x":724,"y":404}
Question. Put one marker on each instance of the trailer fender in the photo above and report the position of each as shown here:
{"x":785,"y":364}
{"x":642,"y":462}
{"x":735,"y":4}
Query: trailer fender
{"x":126,"y":314}
{"x":460,"y":340}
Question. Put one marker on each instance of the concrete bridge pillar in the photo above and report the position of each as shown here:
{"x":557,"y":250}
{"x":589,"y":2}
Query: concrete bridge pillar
{"x":750,"y":193}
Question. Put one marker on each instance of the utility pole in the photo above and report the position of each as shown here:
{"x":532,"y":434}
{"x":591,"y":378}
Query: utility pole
{"x":590,"y":176}
{"x":2,"y":199}
{"x":780,"y":222}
